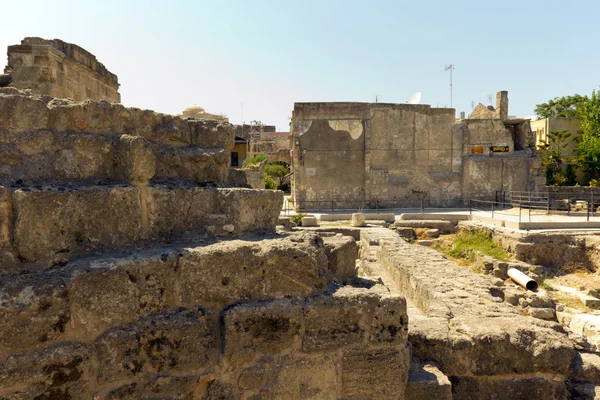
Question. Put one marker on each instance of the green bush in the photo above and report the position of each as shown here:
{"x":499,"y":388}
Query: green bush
{"x":270,"y":183}
{"x":297,"y":218}
{"x":254,"y":160}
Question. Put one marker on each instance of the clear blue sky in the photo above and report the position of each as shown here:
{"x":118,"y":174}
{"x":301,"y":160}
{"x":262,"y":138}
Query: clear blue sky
{"x":269,"y":54}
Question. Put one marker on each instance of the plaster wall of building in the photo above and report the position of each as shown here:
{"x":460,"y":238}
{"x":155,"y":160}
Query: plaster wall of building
{"x":370,"y":154}
{"x":542,"y":127}
{"x":62,"y":70}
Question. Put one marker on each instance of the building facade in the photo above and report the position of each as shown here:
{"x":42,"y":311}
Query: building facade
{"x":377,"y":154}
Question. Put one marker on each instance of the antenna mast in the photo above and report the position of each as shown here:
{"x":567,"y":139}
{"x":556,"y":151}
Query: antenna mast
{"x":450,"y":67}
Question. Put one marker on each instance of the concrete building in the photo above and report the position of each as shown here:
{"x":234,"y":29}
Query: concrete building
{"x":59,"y":69}
{"x":397,"y":154}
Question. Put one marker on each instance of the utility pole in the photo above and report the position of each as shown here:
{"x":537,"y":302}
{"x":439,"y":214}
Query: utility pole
{"x":450,"y":67}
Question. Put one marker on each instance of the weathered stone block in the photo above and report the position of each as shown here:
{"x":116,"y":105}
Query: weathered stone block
{"x":358,"y":219}
{"x":101,"y":299}
{"x":252,"y":210}
{"x":135,"y":159}
{"x":375,"y":374}
{"x":427,"y":382}
{"x":34,"y":310}
{"x":309,"y":221}
{"x":201,"y":165}
{"x":511,"y":387}
{"x":586,"y":367}
{"x":310,"y":379}
{"x":177,"y":340}
{"x":20,"y":113}
{"x":254,"y":330}
{"x":229,"y":272}
{"x":342,"y":252}
{"x":54,"y":226}
{"x":56,"y":372}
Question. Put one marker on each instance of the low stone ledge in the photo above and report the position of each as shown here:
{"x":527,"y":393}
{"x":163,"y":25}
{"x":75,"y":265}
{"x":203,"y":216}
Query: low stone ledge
{"x":84,"y":299}
{"x":467,"y":330}
{"x":53,"y":225}
{"x":443,"y":226}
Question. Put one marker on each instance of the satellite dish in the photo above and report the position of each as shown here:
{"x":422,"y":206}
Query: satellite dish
{"x":416,"y":98}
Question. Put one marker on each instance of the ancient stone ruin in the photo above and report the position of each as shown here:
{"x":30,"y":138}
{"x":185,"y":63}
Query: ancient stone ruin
{"x":131,"y":267}
{"x":60,"y":69}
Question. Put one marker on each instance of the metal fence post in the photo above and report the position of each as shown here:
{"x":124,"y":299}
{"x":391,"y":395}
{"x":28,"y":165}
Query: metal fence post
{"x":421,"y":205}
{"x":593,"y":204}
{"x":588,"y":212}
{"x":568,"y":206}
{"x":332,"y":207}
{"x":377,"y":205}
{"x":470,"y":208}
{"x":493,"y":209}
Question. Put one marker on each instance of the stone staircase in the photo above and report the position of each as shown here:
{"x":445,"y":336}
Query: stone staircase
{"x":130,"y":270}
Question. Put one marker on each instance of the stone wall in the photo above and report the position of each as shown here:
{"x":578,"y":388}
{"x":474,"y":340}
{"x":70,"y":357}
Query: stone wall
{"x":236,"y":319}
{"x":129,"y":269}
{"x":79,"y":178}
{"x":61,"y":70}
{"x":363,"y":155}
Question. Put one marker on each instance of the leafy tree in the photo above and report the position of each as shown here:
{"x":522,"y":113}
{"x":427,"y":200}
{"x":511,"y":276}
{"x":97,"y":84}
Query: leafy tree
{"x":566,"y":106}
{"x":276,"y":172}
{"x":552,"y":153}
{"x":589,"y":145}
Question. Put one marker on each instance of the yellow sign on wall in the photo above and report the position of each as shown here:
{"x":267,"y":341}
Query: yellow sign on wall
{"x":477,"y":150}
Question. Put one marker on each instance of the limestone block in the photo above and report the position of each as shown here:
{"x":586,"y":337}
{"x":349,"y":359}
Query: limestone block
{"x":286,"y":223}
{"x":210,"y":133}
{"x":191,"y":163}
{"x":346,"y":317}
{"x":585,"y":391}
{"x":176,"y":340}
{"x":407,"y":233}
{"x":251,"y":210}
{"x":523,"y":251}
{"x":34,"y":310}
{"x":586,"y":367}
{"x":315,"y":378}
{"x":375,"y":374}
{"x":54,"y":372}
{"x":589,"y":301}
{"x":342,"y":253}
{"x":309,"y":221}
{"x":22,"y":113}
{"x":54,"y":226}
{"x":176,"y":209}
{"x":432,"y":233}
{"x":588,"y":326}
{"x":443,"y":226}
{"x":427,"y":243}
{"x":233,"y":271}
{"x":511,"y":387}
{"x":161,"y":386}
{"x":117,"y":291}
{"x":254,"y":330}
{"x":426,"y":382}
{"x":542,"y":313}
{"x":358,"y":219}
{"x":136,"y":161}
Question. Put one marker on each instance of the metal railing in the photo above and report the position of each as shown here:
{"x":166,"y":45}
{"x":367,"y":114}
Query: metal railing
{"x":373,"y":206}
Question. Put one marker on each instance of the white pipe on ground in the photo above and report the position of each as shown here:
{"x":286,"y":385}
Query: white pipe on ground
{"x":522,"y":279}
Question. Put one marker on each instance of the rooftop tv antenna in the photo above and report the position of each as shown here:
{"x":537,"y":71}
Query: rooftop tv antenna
{"x":450,"y":67}
{"x":490,"y":99}
{"x":416,"y":98}
{"x":472,"y":104}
